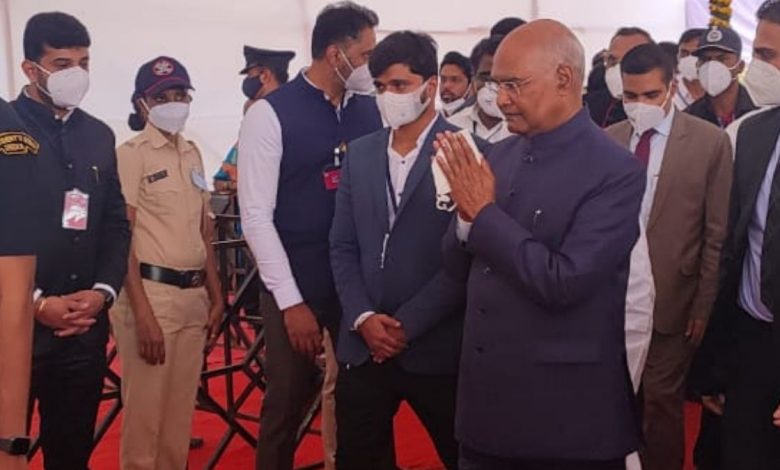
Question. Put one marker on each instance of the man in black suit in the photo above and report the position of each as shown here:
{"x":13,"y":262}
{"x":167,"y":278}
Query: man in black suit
{"x":742,"y":346}
{"x":403,"y":314}
{"x":84,"y":237}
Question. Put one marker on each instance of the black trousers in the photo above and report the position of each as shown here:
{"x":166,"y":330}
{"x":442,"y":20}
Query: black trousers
{"x":750,"y":440}
{"x":473,"y":460}
{"x":67,"y":383}
{"x":367,"y":398}
{"x":707,"y":453}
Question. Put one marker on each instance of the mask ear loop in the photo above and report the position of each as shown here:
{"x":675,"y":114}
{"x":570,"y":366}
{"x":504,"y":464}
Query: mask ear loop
{"x":668,"y":93}
{"x":422,"y":90}
{"x":144,"y":104}
{"x":349,"y":64}
{"x":37,"y":85}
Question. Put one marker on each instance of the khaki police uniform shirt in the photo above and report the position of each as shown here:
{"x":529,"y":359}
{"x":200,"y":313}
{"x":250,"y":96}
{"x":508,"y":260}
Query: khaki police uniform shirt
{"x":165,"y":184}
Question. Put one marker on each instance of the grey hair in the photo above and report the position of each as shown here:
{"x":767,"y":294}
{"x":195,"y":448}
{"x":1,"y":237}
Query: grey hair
{"x":568,"y":50}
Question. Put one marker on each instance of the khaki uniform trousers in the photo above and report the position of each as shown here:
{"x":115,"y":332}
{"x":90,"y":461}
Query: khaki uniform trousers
{"x":159,"y":401}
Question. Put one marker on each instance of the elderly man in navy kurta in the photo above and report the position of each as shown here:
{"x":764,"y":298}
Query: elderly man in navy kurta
{"x":543,"y":379}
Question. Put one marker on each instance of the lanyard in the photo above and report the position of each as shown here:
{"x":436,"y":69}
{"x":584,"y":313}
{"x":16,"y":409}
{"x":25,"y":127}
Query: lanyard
{"x":391,"y":190}
{"x":338,"y":154}
{"x":394,"y":205}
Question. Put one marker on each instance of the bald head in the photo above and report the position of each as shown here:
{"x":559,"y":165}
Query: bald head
{"x":540,"y":68}
{"x":546,"y":44}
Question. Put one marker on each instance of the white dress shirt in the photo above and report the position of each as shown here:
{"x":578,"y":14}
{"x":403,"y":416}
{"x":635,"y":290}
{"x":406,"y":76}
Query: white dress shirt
{"x":398,"y":167}
{"x":657,"y":150}
{"x":260,"y":152}
{"x":640,"y":302}
{"x":750,"y":284}
{"x":468,"y":118}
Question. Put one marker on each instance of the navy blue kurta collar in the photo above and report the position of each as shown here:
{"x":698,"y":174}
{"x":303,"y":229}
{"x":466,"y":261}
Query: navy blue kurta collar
{"x":564,"y":134}
{"x":44,"y":116}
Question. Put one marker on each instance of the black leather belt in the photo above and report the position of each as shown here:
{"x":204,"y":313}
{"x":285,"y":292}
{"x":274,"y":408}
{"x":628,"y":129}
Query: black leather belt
{"x":180,"y":279}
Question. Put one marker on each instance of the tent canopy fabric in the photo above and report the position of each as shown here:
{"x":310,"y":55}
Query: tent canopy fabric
{"x":208,"y":37}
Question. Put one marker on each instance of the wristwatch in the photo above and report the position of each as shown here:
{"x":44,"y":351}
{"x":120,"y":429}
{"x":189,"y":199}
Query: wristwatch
{"x":15,"y":445}
{"x":108,"y":299}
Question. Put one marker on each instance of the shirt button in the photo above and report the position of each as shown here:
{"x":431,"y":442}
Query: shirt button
{"x":74,"y":276}
{"x":487,"y":271}
{"x":479,"y":349}
{"x":70,"y":166}
{"x":482,"y":311}
{"x":528,"y":159}
{"x":76,"y":239}
{"x":512,"y":193}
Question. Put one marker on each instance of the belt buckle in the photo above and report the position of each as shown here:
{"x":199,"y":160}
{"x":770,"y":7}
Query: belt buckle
{"x":195,"y":280}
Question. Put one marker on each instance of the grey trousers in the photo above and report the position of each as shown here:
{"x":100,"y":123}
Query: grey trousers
{"x":292,"y":384}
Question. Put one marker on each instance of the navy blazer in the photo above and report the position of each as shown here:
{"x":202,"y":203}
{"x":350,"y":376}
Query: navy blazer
{"x":543,"y":373}
{"x":412,"y":286}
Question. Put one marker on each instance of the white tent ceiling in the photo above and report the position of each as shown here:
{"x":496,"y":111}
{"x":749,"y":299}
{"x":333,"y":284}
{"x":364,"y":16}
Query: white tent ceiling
{"x":207,"y":36}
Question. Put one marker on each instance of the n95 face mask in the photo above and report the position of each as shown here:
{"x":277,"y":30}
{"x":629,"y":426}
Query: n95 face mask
{"x":66,"y":88}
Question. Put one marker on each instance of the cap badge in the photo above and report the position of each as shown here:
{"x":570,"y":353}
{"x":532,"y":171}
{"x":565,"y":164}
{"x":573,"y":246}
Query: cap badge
{"x":162,"y":68}
{"x":714,"y":35}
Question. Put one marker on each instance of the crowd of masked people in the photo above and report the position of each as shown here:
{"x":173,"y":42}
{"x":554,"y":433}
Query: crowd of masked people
{"x":544,"y":264}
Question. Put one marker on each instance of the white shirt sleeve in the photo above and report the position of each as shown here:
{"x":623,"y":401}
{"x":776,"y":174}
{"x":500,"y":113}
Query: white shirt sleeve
{"x":640,"y":303}
{"x":107,"y":288}
{"x":259,"y":158}
{"x":361,"y":319}
{"x":462,"y":230}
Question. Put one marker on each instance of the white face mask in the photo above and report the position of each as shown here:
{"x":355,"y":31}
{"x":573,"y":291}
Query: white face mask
{"x":763,"y":83}
{"x":66,"y":88}
{"x":169,"y":117}
{"x":715,"y":77}
{"x":487,"y":98}
{"x":643,"y":116}
{"x":689,"y":68}
{"x":359,"y":79}
{"x":614,"y":79}
{"x":401,"y":109}
{"x":452,"y":106}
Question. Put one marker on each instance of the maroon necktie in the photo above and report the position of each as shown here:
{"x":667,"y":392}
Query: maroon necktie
{"x":642,"y":151}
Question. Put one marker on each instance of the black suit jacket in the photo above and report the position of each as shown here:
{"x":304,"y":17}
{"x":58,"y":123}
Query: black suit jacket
{"x":756,"y":142}
{"x":77,"y":153}
{"x":409,"y":282}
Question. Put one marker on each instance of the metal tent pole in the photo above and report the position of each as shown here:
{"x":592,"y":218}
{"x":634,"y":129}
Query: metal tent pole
{"x":5,"y":7}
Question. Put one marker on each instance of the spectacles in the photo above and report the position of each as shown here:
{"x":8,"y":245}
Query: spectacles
{"x":511,"y":87}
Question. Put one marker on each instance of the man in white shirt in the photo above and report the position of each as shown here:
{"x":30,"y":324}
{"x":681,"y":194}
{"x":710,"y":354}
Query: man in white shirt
{"x":684,"y":211}
{"x":455,"y":77}
{"x":401,"y":328}
{"x":484,"y":118}
{"x":291,"y":145}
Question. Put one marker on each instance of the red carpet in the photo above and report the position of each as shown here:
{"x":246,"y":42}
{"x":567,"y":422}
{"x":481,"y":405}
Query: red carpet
{"x":414,"y":448}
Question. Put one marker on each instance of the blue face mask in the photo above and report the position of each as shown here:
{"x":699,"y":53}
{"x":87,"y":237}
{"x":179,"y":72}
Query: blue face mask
{"x":251,"y":86}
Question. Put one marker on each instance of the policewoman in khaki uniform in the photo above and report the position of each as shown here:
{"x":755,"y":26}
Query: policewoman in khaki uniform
{"x":171,"y":301}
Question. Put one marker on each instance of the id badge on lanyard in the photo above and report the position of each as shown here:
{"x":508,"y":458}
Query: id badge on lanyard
{"x":75,"y":211}
{"x":331,"y":174}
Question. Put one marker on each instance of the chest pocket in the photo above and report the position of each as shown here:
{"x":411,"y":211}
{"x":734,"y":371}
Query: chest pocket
{"x":161,"y":189}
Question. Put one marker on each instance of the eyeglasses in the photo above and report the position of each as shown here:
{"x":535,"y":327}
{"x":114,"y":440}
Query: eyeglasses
{"x":511,"y":87}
